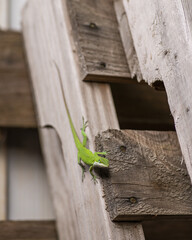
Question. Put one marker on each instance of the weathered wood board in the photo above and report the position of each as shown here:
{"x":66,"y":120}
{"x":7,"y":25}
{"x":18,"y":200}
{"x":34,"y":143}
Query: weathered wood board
{"x":28,"y":230}
{"x":127,"y":40}
{"x":48,"y":39}
{"x":161,"y":32}
{"x":146,"y":178}
{"x":96,"y":36}
{"x":16,"y":104}
{"x":138,"y":106}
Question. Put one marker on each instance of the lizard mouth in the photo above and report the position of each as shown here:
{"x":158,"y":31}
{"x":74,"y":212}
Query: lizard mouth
{"x":100,"y":165}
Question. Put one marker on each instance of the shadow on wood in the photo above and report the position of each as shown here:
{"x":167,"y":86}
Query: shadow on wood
{"x":141,"y":107}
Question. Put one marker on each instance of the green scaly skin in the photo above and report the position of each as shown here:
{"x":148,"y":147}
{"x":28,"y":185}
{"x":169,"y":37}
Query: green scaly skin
{"x":84,"y":154}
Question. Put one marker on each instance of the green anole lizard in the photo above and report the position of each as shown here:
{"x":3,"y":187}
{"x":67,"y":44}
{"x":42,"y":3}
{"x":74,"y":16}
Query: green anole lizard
{"x":84,"y":154}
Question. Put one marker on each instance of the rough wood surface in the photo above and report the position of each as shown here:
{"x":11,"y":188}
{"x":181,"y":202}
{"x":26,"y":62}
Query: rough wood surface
{"x":16,"y":104}
{"x":145,"y":178}
{"x":161,"y":32}
{"x":97,"y":39}
{"x":3,"y":175}
{"x":28,"y":230}
{"x":127,"y":40}
{"x":48,"y":38}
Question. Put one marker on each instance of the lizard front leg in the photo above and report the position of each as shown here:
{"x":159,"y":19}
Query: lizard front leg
{"x":91,"y":172}
{"x":82,"y":167}
{"x":100,"y":153}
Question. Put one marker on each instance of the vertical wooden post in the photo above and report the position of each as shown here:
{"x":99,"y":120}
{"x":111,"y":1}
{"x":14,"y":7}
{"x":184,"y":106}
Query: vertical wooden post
{"x":80,"y":207}
{"x":3,"y":176}
{"x":161,"y":32}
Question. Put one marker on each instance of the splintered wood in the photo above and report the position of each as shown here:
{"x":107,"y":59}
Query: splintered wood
{"x":146,"y":178}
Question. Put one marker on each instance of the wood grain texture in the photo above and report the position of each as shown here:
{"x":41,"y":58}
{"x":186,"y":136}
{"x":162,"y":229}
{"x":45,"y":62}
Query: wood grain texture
{"x":47,"y":39}
{"x":16,"y":105}
{"x":162,"y":38}
{"x":28,"y":230}
{"x":127,"y":40}
{"x":98,"y":43}
{"x":146,"y":178}
{"x":3,"y":175}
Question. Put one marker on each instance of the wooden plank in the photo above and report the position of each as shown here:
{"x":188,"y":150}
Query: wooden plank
{"x":27,"y":230}
{"x":145,"y":179}
{"x":147,"y":108}
{"x":164,"y":55}
{"x":74,"y":201}
{"x":3,"y":176}
{"x":99,"y":47}
{"x":16,"y":104}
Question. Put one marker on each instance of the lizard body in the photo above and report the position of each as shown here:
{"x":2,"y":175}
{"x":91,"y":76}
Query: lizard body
{"x":84,"y":154}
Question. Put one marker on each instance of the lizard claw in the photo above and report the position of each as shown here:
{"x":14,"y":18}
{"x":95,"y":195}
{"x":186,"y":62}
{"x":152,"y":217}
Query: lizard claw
{"x":85,"y":124}
{"x":94,"y":179}
{"x":83,"y":175}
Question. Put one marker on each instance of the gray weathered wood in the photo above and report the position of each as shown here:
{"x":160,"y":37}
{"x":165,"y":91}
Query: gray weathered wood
{"x":3,"y":175}
{"x":16,"y":104}
{"x":80,"y":207}
{"x":161,"y":32}
{"x":99,"y":47}
{"x":27,"y":230}
{"x":147,"y":107}
{"x":145,"y":178}
{"x":127,"y":40}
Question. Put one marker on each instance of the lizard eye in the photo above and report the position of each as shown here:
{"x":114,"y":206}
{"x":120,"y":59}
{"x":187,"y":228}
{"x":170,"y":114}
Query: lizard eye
{"x":99,"y":160}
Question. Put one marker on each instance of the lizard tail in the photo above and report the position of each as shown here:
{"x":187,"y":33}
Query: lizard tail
{"x":75,"y":136}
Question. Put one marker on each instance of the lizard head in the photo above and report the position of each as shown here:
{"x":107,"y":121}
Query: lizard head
{"x":101,"y":162}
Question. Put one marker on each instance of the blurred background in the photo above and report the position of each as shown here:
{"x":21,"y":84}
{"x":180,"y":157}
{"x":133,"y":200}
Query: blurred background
{"x":10,"y":14}
{"x":24,"y":189}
